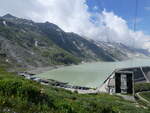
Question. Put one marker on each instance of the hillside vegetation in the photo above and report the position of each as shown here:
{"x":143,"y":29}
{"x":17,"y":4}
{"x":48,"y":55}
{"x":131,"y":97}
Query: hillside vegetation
{"x":145,"y":95}
{"x":24,"y":46}
{"x":144,"y":91}
{"x":139,"y":87}
{"x":24,"y":96}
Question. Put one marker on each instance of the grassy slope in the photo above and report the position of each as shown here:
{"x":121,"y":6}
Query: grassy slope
{"x":146,"y":95}
{"x":25,"y":96}
{"x":139,"y":87}
{"x":49,"y":55}
{"x":144,"y":89}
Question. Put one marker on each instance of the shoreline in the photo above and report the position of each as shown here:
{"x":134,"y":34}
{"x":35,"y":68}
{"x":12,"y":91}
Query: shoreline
{"x":58,"y":84}
{"x":40,"y":70}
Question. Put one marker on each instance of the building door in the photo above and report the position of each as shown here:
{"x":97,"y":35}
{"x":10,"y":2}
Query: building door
{"x":124,"y":82}
{"x":130,"y":83}
{"x":118,"y":82}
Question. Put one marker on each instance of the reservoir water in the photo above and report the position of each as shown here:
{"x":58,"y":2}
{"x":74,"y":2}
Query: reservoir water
{"x":90,"y":74}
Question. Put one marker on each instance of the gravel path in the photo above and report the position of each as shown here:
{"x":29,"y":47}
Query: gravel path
{"x":127,"y":97}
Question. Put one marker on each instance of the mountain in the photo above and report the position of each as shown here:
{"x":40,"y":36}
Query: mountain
{"x":74,"y":44}
{"x":9,"y":16}
{"x":26,"y":44}
{"x":119,"y":51}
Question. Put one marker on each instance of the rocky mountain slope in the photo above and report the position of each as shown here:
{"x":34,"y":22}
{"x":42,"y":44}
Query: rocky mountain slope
{"x":119,"y":51}
{"x":26,"y":44}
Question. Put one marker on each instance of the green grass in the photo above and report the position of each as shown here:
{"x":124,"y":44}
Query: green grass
{"x":24,"y":96}
{"x":145,"y":95}
{"x":139,"y":87}
{"x":60,"y":57}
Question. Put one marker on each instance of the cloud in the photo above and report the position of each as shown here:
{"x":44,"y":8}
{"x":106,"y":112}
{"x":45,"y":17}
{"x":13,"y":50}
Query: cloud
{"x":73,"y":16}
{"x":117,"y":30}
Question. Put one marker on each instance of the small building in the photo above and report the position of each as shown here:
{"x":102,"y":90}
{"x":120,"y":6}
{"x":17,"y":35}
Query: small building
{"x":119,"y":82}
{"x":122,"y":80}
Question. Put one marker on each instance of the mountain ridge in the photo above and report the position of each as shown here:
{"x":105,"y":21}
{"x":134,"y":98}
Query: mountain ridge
{"x":30,"y":44}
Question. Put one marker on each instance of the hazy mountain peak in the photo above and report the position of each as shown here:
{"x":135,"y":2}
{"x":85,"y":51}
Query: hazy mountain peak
{"x":9,"y":16}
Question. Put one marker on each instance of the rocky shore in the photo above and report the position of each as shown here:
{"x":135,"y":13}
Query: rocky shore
{"x":55,"y":83}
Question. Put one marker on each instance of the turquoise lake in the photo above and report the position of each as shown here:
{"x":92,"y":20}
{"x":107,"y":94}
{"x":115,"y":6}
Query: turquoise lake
{"x":90,"y":74}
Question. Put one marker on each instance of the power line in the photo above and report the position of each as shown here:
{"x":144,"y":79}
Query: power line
{"x":135,"y":19}
{"x":135,"y":27}
{"x":136,"y":14}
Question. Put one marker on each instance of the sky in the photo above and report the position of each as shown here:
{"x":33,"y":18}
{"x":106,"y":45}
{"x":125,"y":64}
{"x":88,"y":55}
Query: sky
{"x":104,"y":20}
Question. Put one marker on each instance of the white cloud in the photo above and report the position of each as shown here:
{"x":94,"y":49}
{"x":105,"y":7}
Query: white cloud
{"x":117,"y":29}
{"x":73,"y":16}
